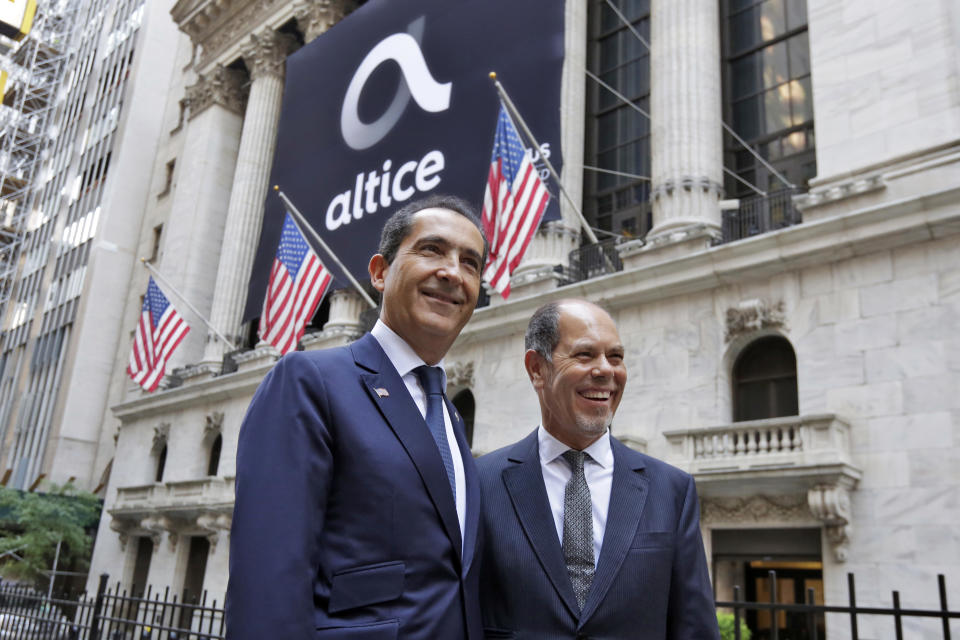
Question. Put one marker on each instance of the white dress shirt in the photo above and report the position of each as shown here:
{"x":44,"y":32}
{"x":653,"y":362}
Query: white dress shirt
{"x":404,"y":359}
{"x":598,"y":470}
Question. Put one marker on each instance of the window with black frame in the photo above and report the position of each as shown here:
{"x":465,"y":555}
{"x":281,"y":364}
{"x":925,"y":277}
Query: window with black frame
{"x":768,"y":97}
{"x":617,"y":136}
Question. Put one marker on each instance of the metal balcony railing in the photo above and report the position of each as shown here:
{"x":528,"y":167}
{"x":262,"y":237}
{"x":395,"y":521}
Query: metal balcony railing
{"x":594,"y":260}
{"x":760,"y":214}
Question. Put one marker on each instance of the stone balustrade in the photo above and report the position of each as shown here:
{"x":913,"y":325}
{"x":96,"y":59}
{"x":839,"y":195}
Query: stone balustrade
{"x":807,"y":445}
{"x":181,"y":495}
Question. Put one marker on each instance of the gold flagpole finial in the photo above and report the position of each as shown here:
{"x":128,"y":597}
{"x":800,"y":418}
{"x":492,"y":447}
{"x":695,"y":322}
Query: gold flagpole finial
{"x":493,"y":75}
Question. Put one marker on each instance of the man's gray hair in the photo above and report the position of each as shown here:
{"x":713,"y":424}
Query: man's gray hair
{"x":543,"y":333}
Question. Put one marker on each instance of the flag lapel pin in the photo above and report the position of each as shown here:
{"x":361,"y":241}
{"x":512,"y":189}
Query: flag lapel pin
{"x":381,"y":392}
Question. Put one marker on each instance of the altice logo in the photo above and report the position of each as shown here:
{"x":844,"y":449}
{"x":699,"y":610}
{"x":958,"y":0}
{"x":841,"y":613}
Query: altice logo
{"x":430,"y":95}
{"x":389,"y":185}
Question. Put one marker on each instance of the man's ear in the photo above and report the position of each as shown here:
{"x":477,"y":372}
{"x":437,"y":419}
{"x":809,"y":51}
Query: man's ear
{"x":536,"y":366}
{"x":378,"y":271}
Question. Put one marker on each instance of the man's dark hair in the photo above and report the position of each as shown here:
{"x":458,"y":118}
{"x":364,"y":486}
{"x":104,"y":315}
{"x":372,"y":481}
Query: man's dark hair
{"x":399,"y":224}
{"x":543,"y":334}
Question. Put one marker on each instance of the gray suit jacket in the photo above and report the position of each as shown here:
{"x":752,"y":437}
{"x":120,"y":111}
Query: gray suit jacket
{"x":651,"y":579}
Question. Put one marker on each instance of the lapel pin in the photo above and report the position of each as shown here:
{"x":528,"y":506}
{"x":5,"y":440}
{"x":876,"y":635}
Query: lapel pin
{"x":383,"y":393}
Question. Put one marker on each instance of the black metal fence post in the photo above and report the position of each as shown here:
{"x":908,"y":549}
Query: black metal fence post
{"x":851,"y":589}
{"x":942,"y":583}
{"x":98,"y":608}
{"x":811,"y":616}
{"x":736,"y":613}
{"x":897,"y":620}
{"x":774,"y":622}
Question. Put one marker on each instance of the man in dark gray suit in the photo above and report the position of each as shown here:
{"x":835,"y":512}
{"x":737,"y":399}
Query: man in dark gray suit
{"x":587,"y":538}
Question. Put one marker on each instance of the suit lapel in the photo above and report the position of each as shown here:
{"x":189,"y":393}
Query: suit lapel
{"x":401,"y":413}
{"x":628,"y":494}
{"x":524,"y":483}
{"x":472,"y":482}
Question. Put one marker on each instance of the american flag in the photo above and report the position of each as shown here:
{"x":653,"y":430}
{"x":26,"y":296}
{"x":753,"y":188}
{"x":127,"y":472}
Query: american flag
{"x":297,"y":284}
{"x":158,"y":333}
{"x":513,"y":204}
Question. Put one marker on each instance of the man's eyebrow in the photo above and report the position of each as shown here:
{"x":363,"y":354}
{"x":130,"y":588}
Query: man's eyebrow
{"x":436,"y":239}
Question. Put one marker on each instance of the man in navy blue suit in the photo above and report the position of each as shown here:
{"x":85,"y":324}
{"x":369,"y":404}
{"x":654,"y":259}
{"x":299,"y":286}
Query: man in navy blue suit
{"x":357,"y":502}
{"x":586,"y":538}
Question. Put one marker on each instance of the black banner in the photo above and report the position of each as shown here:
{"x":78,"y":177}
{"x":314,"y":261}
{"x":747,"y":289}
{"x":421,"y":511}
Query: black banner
{"x":393,"y":103}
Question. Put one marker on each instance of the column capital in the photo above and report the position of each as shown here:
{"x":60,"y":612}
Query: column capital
{"x":316,"y":16}
{"x":266,"y":52}
{"x":221,"y":86}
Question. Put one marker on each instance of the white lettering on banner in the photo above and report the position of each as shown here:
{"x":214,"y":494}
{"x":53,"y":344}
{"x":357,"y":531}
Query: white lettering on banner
{"x":417,"y":81}
{"x":351,"y":205}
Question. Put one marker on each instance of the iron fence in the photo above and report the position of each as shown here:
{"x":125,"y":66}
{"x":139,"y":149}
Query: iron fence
{"x":760,"y":214}
{"x":26,"y":614}
{"x":811,"y":615}
{"x":116,"y":614}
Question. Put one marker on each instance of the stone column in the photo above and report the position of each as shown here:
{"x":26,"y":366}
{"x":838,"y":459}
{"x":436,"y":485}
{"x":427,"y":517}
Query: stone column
{"x":264,"y":55}
{"x":687,"y":163}
{"x":193,"y":234}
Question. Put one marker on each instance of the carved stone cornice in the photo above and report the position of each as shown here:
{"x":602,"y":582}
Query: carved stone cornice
{"x":218,"y":25}
{"x":222,"y":86}
{"x":212,"y":427}
{"x":161,"y":433}
{"x":266,"y":52}
{"x":316,"y":16}
{"x":753,"y":315}
{"x":755,"y":509}
{"x":460,"y":375}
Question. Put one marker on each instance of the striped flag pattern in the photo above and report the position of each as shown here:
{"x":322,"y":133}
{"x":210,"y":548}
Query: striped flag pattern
{"x":513,"y":204}
{"x":158,"y":333}
{"x":297,"y":284}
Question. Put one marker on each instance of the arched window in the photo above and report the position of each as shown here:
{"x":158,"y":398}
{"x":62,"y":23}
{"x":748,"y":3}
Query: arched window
{"x":765,"y":380}
{"x":215,"y":455}
{"x":466,"y":406}
{"x":161,"y":463}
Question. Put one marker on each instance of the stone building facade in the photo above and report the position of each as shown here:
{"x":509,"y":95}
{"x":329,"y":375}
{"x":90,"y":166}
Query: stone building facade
{"x":807,"y":372}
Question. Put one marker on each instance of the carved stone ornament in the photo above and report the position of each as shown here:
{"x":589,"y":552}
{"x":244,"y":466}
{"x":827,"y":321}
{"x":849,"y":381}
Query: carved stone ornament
{"x":157,"y":526}
{"x":213,"y":426}
{"x":266,"y":52}
{"x":792,"y":508}
{"x":316,"y":16}
{"x":222,"y":86}
{"x":753,"y":315}
{"x":460,"y":375}
{"x":831,"y":505}
{"x":161,"y":433}
{"x":123,"y":531}
{"x":212,"y":524}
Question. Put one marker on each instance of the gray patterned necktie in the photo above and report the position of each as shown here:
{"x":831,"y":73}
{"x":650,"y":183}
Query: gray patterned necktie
{"x":578,"y":527}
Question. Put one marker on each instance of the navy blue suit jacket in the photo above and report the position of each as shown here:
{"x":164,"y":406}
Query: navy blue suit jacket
{"x":344,"y":525}
{"x":651,"y":579}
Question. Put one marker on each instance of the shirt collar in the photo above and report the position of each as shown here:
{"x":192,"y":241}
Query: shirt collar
{"x":550,"y":448}
{"x":401,"y":355}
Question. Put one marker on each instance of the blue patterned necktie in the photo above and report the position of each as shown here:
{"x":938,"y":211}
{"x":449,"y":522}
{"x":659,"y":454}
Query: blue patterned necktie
{"x":431,"y":379}
{"x":578,"y":527}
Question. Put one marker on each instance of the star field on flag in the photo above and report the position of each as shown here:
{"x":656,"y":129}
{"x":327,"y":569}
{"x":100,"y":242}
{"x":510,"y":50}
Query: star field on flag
{"x":159,"y":331}
{"x":298,"y":281}
{"x":513,"y":204}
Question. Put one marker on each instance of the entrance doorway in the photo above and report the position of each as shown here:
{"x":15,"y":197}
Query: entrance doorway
{"x":745,"y":558}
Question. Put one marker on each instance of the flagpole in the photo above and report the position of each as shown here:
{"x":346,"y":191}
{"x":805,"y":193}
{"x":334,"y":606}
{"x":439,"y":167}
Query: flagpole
{"x":553,"y":172}
{"x":303,"y":223}
{"x":172,"y":288}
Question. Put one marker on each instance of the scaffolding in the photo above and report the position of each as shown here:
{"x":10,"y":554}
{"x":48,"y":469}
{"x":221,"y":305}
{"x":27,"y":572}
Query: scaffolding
{"x":28,"y":123}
